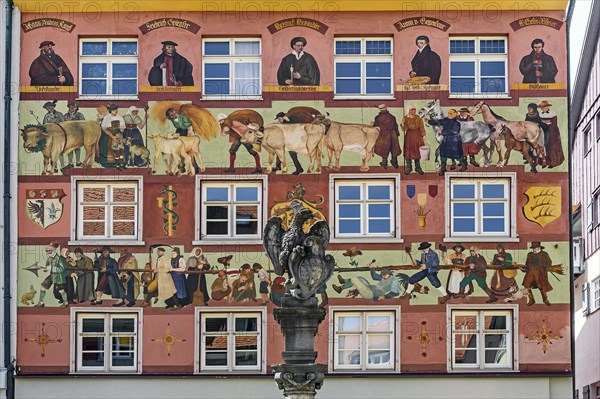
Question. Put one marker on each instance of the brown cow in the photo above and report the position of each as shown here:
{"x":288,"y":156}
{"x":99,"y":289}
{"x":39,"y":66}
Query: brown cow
{"x":54,"y":139}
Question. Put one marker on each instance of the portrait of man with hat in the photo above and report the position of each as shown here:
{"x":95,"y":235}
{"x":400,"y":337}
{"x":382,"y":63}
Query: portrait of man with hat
{"x":52,"y":115}
{"x":298,"y":68}
{"x":386,"y":285}
{"x":536,"y":275}
{"x":387,"y":143}
{"x":170,"y":68}
{"x":537,"y":66}
{"x":48,"y":69}
{"x":428,"y":263}
{"x":426,"y":62}
{"x":108,"y":278}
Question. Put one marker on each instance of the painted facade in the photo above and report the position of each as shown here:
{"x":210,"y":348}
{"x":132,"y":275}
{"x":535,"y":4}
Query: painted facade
{"x":140,"y":219}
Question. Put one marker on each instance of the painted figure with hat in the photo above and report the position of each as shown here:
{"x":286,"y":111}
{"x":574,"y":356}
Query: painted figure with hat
{"x":386,"y":287}
{"x":133,"y":123}
{"x":243,"y":288}
{"x":536,"y":273}
{"x":178,"y":268}
{"x":537,"y":66}
{"x":167,"y":291}
{"x":477,"y":266}
{"x":552,"y":140}
{"x":129,"y":279}
{"x":426,"y":62}
{"x":57,"y":266}
{"x":503,"y":282}
{"x":49,"y":69}
{"x":457,"y":259}
{"x":52,"y":115}
{"x":111,"y":124}
{"x":235,"y":125}
{"x":387,"y":143}
{"x":298,"y":68}
{"x":73,"y":113}
{"x":108,"y":278}
{"x":470,"y":149}
{"x":414,"y":139}
{"x":451,"y":146}
{"x":428,"y":263}
{"x":85,"y":276}
{"x":170,"y":68}
{"x":195,"y":283}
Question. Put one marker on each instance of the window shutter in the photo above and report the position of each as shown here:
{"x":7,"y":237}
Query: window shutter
{"x":590,"y":214}
{"x":585,"y":298}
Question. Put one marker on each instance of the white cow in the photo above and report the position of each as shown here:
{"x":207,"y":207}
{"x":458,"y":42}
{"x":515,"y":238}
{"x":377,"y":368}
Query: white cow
{"x":350,"y":137}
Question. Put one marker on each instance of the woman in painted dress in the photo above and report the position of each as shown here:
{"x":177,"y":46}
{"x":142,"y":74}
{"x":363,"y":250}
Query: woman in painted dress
{"x":197,"y":281}
{"x":133,"y":124}
{"x":178,"y":266}
{"x":111,"y":125}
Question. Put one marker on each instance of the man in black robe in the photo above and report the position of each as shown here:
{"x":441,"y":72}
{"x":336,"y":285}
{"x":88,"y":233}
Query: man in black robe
{"x":49,"y":69}
{"x":298,"y":68}
{"x":538,"y":67}
{"x":170,"y":68}
{"x":426,"y":62}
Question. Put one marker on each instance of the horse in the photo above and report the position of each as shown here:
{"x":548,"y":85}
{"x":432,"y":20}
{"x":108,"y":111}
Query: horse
{"x":527,"y":131}
{"x":513,"y":144}
{"x":470,"y":131}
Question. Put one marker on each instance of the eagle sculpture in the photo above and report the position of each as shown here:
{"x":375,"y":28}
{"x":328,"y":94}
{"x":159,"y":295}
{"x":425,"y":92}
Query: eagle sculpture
{"x":300,"y":254}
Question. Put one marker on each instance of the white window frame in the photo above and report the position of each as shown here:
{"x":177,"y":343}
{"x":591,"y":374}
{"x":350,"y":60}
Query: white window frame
{"x":77,"y":222}
{"x":232,"y":60}
{"x":477,"y":58}
{"x":109,"y":59}
{"x":363,"y":58}
{"x":511,"y":208}
{"x":230,"y":313}
{"x":394,"y":311}
{"x":512,"y":342}
{"x":595,"y":295}
{"x":76,"y":354}
{"x":353,"y":179}
{"x":201,"y":238}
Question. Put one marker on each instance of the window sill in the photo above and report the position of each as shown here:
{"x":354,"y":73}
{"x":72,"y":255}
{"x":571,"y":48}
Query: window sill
{"x":106,"y":242}
{"x":227,"y":242}
{"x":116,"y":98}
{"x":474,"y":370}
{"x":479,"y":96}
{"x":366,"y":239}
{"x":231,"y":98}
{"x":481,"y":239}
{"x":358,"y":97}
{"x":355,"y":371}
{"x":99,"y":372}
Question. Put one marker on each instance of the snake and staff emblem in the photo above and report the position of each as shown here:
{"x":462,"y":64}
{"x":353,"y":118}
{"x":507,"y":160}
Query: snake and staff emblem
{"x":166,"y":202}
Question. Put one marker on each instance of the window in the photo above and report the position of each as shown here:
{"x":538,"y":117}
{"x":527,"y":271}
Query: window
{"x":365,"y":208}
{"x":107,"y":342}
{"x":595,"y":295}
{"x":364,"y":341}
{"x":231,"y":341}
{"x":482,"y":339}
{"x":585,"y":298}
{"x":587,"y":140}
{"x":108,"y":67}
{"x":590,"y":215}
{"x":108,"y":210}
{"x":479,"y":65}
{"x":363,"y":67}
{"x":231,"y":210}
{"x":231,"y":67}
{"x":481,"y":206}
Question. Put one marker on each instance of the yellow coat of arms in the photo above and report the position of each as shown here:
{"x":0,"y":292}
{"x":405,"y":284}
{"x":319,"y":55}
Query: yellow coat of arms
{"x":544,"y":205}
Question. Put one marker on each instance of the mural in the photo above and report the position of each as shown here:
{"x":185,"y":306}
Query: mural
{"x":171,"y":68}
{"x":49,"y":69}
{"x":538,"y":67}
{"x":298,"y":68}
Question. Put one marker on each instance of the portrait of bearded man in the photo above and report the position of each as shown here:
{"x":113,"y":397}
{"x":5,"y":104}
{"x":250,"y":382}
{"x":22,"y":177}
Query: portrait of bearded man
{"x":170,"y":68}
{"x":49,"y":69}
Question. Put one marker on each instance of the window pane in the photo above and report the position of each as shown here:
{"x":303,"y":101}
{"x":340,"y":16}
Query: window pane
{"x":246,"y":358}
{"x":464,"y":225}
{"x":92,"y":359}
{"x":216,"y":48}
{"x":122,"y":359}
{"x":217,"y":87}
{"x":347,"y":47}
{"x":124,"y":86}
{"x":121,"y":194}
{"x":378,"y":192}
{"x":379,"y":86}
{"x":93,"y":70}
{"x":465,"y":85}
{"x":468,"y":356}
{"x":217,"y":194}
{"x":124,"y":48}
{"x":246,"y":324}
{"x":247,"y":48}
{"x":246,"y":213}
{"x":379,"y":210}
{"x":216,"y":358}
{"x":378,"y":323}
{"x":96,"y":194}
{"x":93,"y":228}
{"x":493,"y":225}
{"x":92,"y":325}
{"x":92,"y":344}
{"x":492,"y":46}
{"x":124,"y":228}
{"x":348,"y":323}
{"x":349,"y":226}
{"x":495,"y":68}
{"x":379,"y":47}
{"x":247,"y":70}
{"x":379,"y":342}
{"x":379,"y":357}
{"x":349,"y":192}
{"x":124,"y":212}
{"x":462,"y":46}
{"x":124,"y":71}
{"x":379,"y":226}
{"x":246,"y":227}
{"x":217,"y":212}
{"x":94,"y":213}
{"x":496,"y":356}
{"x":94,"y":48}
{"x":465,"y":322}
{"x":349,"y":211}
{"x":349,"y":342}
{"x":216,"y":70}
{"x":347,"y":69}
{"x":246,"y":194}
{"x":379,"y":69}
{"x":496,"y":85}
{"x":460,"y":209}
{"x":212,"y":324}
{"x":460,"y":191}
{"x":462,"y":68}
{"x":123,"y":325}
{"x":493,"y":191}
{"x":495,"y":341}
{"x":347,"y":86}
{"x":247,"y":343}
{"x":493,"y":209}
{"x":346,"y":358}
{"x":122,"y":344}
{"x":217,"y":228}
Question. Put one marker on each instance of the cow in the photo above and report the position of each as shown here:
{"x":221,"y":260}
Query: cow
{"x":303,"y":138}
{"x":191,"y":145}
{"x":54,"y":139}
{"x":298,"y":115}
{"x":350,"y":137}
{"x":172,"y":150}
